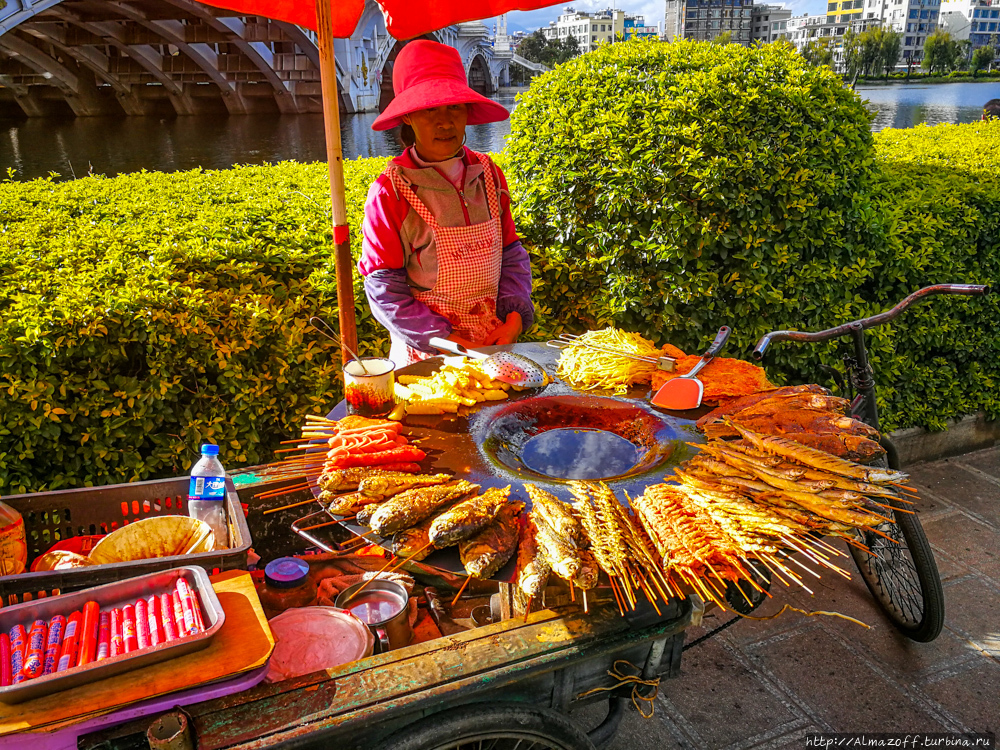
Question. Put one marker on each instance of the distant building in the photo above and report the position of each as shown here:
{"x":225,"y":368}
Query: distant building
{"x":981,"y":16}
{"x":770,"y":23}
{"x":805,"y":29}
{"x":589,"y":29}
{"x":705,"y":20}
{"x":635,"y":27}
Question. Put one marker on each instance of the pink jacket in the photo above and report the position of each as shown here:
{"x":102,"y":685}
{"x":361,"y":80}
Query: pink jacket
{"x":395,"y":237}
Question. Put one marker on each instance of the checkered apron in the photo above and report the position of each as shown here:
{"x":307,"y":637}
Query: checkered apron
{"x":468,"y":259}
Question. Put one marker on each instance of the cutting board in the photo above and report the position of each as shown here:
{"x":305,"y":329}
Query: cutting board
{"x":244,"y":643}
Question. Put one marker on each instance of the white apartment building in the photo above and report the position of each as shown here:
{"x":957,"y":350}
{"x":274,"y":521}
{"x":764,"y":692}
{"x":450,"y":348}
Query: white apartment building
{"x":770,"y":23}
{"x":975,"y":20}
{"x":914,"y":19}
{"x":590,"y":29}
{"x":804,"y":29}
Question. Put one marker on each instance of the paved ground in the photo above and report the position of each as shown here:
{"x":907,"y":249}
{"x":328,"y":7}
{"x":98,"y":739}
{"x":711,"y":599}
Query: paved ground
{"x":767,"y":684}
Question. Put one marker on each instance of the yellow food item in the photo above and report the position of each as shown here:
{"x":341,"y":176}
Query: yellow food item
{"x":458,"y":383}
{"x":586,"y":368}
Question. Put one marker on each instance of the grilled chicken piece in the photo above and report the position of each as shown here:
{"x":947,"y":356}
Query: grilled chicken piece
{"x":467,"y":517}
{"x":791,"y":423}
{"x":557,"y":515}
{"x":532,"y":568}
{"x":382,"y":487}
{"x":486,"y":552}
{"x":349,"y":479}
{"x":787,"y":402}
{"x":410,"y":507}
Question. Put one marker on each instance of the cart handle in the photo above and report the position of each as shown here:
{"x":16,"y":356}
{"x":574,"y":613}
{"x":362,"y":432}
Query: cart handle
{"x":875,"y":320}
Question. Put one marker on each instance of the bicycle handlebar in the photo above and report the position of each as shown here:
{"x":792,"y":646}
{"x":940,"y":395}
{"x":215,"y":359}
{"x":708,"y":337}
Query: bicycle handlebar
{"x":874,"y":320}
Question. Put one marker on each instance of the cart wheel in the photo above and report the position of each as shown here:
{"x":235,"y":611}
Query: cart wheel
{"x":902,"y":574}
{"x":497,"y":726}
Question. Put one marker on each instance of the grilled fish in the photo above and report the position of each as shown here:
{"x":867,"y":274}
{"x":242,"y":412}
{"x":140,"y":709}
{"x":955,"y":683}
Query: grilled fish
{"x":532,"y":568}
{"x":468,"y":517}
{"x":349,"y":479}
{"x":739,"y":404}
{"x":586,"y":579}
{"x":413,"y":543}
{"x":346,"y":505}
{"x":364,"y":516}
{"x":412,"y":506}
{"x":557,"y":515}
{"x":561,"y":557}
{"x":486,"y":552}
{"x":818,"y":459}
{"x":381,"y":487}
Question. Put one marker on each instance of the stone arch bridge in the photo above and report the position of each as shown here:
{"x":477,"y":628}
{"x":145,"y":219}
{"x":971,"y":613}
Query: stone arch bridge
{"x":166,"y":57}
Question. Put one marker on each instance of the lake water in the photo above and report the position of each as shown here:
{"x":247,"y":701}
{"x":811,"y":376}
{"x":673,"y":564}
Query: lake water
{"x":36,"y":147}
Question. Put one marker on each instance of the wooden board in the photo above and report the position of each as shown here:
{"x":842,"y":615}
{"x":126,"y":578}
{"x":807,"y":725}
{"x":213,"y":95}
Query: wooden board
{"x":244,"y":643}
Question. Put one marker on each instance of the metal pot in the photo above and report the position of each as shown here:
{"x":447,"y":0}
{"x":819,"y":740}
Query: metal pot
{"x":383,"y":607}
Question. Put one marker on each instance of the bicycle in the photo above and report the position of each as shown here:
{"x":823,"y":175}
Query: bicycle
{"x":901,"y":574}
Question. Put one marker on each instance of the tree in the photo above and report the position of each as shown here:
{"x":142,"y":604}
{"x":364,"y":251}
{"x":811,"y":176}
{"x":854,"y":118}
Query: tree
{"x":568,"y":49}
{"x":940,"y":52}
{"x":726,"y":37}
{"x":892,"y":45}
{"x":982,"y":58}
{"x":818,"y":52}
{"x":534,"y":47}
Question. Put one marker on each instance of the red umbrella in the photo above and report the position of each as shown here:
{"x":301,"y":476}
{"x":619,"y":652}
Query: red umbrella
{"x":404,"y":19}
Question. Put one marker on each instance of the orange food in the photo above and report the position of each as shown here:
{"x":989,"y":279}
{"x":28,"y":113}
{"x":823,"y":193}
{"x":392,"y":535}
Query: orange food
{"x":724,"y":378}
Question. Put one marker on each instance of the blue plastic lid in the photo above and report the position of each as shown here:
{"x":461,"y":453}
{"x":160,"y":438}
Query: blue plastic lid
{"x":286,"y":572}
{"x":209,"y":449}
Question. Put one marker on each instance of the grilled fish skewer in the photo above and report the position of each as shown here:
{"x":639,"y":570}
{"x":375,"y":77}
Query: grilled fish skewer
{"x":532,"y":567}
{"x":487,"y":552}
{"x":410,"y":507}
{"x":557,"y":515}
{"x":468,"y":517}
{"x":561,"y":557}
{"x":381,"y":487}
{"x":340,"y":480}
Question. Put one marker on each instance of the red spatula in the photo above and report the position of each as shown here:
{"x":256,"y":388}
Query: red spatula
{"x":685,"y":391}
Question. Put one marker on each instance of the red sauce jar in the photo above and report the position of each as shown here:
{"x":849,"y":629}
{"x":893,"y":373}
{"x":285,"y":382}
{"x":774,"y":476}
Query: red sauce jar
{"x":286,"y":585}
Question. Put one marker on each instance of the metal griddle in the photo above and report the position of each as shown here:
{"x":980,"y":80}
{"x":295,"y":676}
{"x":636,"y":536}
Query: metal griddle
{"x":470,"y":446}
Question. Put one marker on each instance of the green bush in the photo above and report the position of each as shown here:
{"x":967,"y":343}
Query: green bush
{"x":145,"y":314}
{"x":688,"y":186}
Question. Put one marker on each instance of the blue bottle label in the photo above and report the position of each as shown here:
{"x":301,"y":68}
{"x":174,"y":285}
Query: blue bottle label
{"x":207,"y":488}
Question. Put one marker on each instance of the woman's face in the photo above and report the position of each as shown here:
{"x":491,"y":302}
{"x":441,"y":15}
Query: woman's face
{"x":439,"y":131}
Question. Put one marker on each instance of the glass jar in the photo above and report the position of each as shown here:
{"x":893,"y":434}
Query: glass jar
{"x":286,"y":585}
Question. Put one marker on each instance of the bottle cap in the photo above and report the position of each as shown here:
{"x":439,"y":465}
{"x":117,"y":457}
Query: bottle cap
{"x":209,"y":449}
{"x":286,"y":572}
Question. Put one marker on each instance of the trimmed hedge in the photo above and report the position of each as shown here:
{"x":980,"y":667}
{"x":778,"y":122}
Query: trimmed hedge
{"x":692,"y":185}
{"x":147,"y":313}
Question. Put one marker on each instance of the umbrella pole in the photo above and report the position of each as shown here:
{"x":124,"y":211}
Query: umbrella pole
{"x":335,"y":159}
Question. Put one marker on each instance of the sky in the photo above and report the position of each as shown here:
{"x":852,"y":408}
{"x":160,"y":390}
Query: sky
{"x":651,"y":9}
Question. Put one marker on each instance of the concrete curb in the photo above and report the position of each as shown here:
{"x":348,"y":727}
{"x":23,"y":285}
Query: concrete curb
{"x":971,"y":433}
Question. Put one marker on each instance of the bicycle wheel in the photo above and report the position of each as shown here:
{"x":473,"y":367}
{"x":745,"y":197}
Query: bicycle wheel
{"x":504,"y":726}
{"x":902,"y":574}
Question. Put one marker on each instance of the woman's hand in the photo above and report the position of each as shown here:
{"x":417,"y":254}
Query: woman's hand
{"x":507,"y":332}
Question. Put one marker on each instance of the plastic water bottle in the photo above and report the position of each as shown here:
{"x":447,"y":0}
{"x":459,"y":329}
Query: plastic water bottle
{"x":207,"y":494}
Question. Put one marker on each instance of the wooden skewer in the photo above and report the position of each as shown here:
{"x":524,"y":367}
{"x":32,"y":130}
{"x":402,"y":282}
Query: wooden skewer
{"x":527,"y":610}
{"x":459,"y":594}
{"x":586,"y":608}
{"x":572,"y":592}
{"x":365,"y":584}
{"x":286,"y":507}
{"x":319,"y":525}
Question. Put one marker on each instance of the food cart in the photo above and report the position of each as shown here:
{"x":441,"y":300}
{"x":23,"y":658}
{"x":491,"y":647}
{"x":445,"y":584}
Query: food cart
{"x":510,"y":676}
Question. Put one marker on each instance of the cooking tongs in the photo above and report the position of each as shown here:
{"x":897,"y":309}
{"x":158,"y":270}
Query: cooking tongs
{"x":568,"y":339}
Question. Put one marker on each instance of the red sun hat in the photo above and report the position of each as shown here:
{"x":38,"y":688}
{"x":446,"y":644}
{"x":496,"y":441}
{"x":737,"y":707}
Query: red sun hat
{"x":428,"y":74}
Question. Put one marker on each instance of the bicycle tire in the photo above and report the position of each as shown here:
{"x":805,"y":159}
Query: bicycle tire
{"x":906,"y":586}
{"x":502,"y":726}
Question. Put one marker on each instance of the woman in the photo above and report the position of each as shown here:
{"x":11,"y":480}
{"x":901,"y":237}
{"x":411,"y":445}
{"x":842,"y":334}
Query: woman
{"x":441,"y":256}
